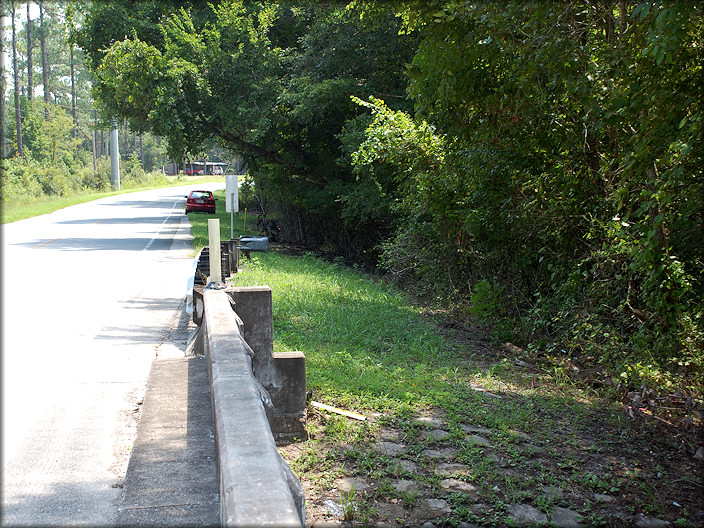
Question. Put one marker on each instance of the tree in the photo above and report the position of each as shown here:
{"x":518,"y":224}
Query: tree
{"x":73,"y":93}
{"x":45,"y":58}
{"x":571,"y":182}
{"x":30,"y":66}
{"x":3,"y":118}
{"x":18,"y":116}
{"x":272,"y":82}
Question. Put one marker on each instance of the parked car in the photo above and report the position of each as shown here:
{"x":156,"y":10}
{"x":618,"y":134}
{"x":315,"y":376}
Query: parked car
{"x":202,"y":201}
{"x":192,"y":172}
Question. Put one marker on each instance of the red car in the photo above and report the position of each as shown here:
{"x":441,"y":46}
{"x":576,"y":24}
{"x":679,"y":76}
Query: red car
{"x":202,"y":201}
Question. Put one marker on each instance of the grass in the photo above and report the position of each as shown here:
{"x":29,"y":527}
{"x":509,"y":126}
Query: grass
{"x":12,"y":212}
{"x":371,"y":350}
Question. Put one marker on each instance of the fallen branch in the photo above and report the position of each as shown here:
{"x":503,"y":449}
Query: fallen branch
{"x":335,"y":410}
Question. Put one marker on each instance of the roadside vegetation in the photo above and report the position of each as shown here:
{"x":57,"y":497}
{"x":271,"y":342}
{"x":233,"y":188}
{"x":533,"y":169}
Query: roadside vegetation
{"x":460,"y":427}
{"x":54,"y":142}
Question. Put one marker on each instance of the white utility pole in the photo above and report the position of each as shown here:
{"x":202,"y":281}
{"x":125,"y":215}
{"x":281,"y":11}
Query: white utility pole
{"x":114,"y":160}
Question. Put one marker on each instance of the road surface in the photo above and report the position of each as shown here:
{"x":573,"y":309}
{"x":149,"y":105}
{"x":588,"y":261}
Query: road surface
{"x":90,"y":296}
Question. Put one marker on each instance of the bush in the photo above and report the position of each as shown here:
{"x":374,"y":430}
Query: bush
{"x":56,"y":180}
{"x":19,"y":182}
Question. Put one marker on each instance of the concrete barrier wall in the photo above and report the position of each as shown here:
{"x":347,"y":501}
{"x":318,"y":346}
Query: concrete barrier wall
{"x":257,"y":488}
{"x":283,"y":374}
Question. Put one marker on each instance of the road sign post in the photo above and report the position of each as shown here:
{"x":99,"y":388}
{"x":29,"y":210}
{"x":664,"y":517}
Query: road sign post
{"x":232,"y":200}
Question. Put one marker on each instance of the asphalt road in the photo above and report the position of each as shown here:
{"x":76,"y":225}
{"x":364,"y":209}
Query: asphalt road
{"x":90,"y":295}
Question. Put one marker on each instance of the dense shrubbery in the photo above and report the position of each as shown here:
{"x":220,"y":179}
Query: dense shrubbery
{"x":26,"y":180}
{"x":54,"y":165}
{"x":132,"y":175}
{"x":563,"y":184}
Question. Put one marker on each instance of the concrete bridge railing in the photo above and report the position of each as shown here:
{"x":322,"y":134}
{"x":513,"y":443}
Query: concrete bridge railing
{"x":258,"y":399}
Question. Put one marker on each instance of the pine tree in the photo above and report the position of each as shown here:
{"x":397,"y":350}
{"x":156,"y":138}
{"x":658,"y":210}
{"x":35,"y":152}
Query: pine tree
{"x":30,"y":66}
{"x":15,"y":69}
{"x":45,"y":61}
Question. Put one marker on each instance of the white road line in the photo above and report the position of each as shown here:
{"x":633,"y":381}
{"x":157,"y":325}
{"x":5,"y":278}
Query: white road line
{"x":149,"y":244}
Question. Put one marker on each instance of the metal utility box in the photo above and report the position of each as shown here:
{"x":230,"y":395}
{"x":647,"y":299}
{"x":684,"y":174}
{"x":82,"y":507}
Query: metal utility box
{"x":254,"y":243}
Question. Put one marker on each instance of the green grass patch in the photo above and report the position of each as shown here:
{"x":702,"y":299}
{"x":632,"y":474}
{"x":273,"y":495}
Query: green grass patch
{"x":367,"y":347}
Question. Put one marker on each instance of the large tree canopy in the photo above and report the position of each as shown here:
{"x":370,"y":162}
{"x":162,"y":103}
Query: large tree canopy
{"x":270,"y":81}
{"x":569,"y":188}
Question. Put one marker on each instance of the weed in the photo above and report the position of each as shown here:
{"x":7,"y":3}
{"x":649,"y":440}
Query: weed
{"x":545,"y":502}
{"x":409,"y":498}
{"x":384,"y":489}
{"x":593,"y":519}
{"x":683,"y":523}
{"x":354,"y":507}
{"x":593,"y":482}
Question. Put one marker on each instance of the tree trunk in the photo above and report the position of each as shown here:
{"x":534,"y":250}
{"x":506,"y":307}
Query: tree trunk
{"x":622,"y":14}
{"x":124,"y":142}
{"x":45,"y":60}
{"x":30,"y":66}
{"x":609,"y":22}
{"x":73,"y":96}
{"x":18,"y":114}
{"x":3,"y":118}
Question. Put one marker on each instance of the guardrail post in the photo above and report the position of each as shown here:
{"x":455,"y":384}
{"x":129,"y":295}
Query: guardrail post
{"x":283,"y":374}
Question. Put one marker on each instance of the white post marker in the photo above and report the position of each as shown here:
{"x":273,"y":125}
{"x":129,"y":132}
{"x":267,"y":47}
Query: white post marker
{"x":232,"y":203}
{"x":214,"y":245}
